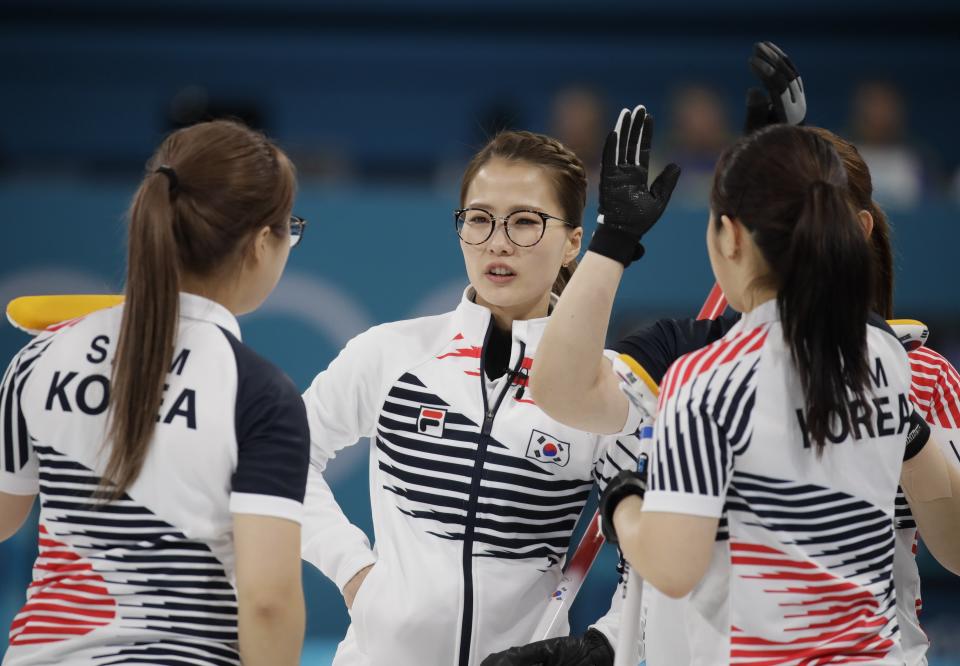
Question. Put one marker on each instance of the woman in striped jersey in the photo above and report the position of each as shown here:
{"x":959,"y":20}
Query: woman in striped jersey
{"x":935,"y":390}
{"x":475,"y":491}
{"x":170,"y":460}
{"x":771,"y":427}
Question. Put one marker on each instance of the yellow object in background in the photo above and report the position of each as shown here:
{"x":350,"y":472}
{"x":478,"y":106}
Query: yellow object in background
{"x":34,"y":314}
{"x":912,"y":333}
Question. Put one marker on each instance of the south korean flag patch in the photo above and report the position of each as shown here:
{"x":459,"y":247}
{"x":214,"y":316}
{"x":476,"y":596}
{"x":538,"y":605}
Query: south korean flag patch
{"x":548,"y":449}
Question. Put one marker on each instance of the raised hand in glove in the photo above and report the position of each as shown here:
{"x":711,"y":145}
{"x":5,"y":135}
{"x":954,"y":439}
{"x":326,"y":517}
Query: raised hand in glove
{"x":628,"y":207}
{"x":591,"y":649}
{"x":782,"y":99}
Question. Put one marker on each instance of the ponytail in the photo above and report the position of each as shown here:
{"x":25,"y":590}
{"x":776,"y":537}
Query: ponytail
{"x":860,"y":186}
{"x":824,"y":300}
{"x":883,"y":262}
{"x":207,"y":190}
{"x":789,"y":187}
{"x":147,"y":331}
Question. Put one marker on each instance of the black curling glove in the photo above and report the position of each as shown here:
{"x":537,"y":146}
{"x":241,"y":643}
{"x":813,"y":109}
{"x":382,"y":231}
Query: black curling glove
{"x":628,"y":207}
{"x":591,"y":649}
{"x":782,"y":99}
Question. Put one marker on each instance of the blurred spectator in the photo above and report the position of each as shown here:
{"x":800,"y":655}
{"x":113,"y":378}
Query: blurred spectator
{"x":578,"y":118}
{"x":879,"y":123}
{"x":699,"y":133}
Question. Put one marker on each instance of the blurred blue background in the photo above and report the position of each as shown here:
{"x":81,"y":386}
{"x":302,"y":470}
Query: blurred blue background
{"x":381,"y":103}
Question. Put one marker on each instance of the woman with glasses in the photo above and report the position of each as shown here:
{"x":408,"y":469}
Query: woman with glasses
{"x":169,"y":458}
{"x":475,"y":490}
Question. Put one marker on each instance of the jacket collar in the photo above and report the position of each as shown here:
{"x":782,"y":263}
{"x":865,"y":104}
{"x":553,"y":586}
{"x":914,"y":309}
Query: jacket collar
{"x":199,"y":308}
{"x":764,"y":313}
{"x":473,"y":320}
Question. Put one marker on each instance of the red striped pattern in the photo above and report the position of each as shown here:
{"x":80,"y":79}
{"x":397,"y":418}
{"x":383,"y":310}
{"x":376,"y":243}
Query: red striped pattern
{"x":935,"y":387}
{"x":715,"y":304}
{"x":462,"y":352}
{"x":65,"y":324}
{"x":829,"y":620}
{"x":725,"y":350}
{"x":66,"y":598}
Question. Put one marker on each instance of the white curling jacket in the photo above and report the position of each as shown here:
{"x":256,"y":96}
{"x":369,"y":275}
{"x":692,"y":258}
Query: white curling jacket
{"x":475,"y":490}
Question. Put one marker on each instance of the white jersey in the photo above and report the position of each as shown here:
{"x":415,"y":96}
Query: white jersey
{"x":803,"y":566}
{"x":148,"y":578}
{"x":935,"y":393}
{"x":475,"y":490}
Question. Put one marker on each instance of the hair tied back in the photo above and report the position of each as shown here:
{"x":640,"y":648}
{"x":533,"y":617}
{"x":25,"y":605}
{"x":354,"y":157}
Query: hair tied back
{"x":171,"y":176}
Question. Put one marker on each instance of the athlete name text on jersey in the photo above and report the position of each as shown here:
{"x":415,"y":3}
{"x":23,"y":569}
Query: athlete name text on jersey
{"x":862,"y":421}
{"x":91,"y":393}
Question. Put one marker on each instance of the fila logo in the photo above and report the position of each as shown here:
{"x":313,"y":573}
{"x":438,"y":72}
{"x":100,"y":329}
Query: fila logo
{"x":548,"y":449}
{"x":430,"y":421}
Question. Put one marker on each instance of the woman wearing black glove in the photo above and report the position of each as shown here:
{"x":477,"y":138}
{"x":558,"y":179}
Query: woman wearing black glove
{"x":629,"y":207}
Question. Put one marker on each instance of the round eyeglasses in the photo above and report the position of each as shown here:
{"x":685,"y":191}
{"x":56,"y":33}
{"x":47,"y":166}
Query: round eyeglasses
{"x":523,"y":227}
{"x":297,"y":226}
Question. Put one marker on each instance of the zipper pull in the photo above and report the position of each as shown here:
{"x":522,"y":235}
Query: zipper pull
{"x":522,"y":377}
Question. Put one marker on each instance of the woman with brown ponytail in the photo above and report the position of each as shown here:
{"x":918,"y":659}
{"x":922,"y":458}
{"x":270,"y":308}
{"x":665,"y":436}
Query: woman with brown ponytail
{"x":475,"y":490}
{"x":170,"y":460}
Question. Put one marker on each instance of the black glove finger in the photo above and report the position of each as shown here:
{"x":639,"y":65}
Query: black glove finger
{"x":662,"y":187}
{"x":779,"y":71}
{"x":762,"y":68}
{"x":761,"y":56}
{"x":759,"y":110}
{"x":623,"y":132}
{"x":636,"y":127}
{"x":788,"y":67}
{"x":769,"y":52}
{"x":781,"y":61}
{"x":646,"y":143}
{"x":609,"y":158}
{"x":773,"y":50}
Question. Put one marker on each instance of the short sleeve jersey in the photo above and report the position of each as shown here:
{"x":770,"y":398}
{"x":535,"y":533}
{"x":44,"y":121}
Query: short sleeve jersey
{"x":147,"y":578}
{"x":805,"y":570}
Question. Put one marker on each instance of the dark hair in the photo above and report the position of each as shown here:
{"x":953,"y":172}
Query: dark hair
{"x":207,"y":189}
{"x":789,"y":188}
{"x":563,"y":166}
{"x":860,"y":186}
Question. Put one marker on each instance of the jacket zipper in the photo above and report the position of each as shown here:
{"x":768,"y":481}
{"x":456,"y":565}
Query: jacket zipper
{"x":489,"y":412}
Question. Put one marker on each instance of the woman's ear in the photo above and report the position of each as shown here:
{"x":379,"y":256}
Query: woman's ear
{"x":866,"y":222}
{"x":256,"y":250}
{"x":730,"y":237}
{"x":258,"y":245}
{"x":573,"y":244}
